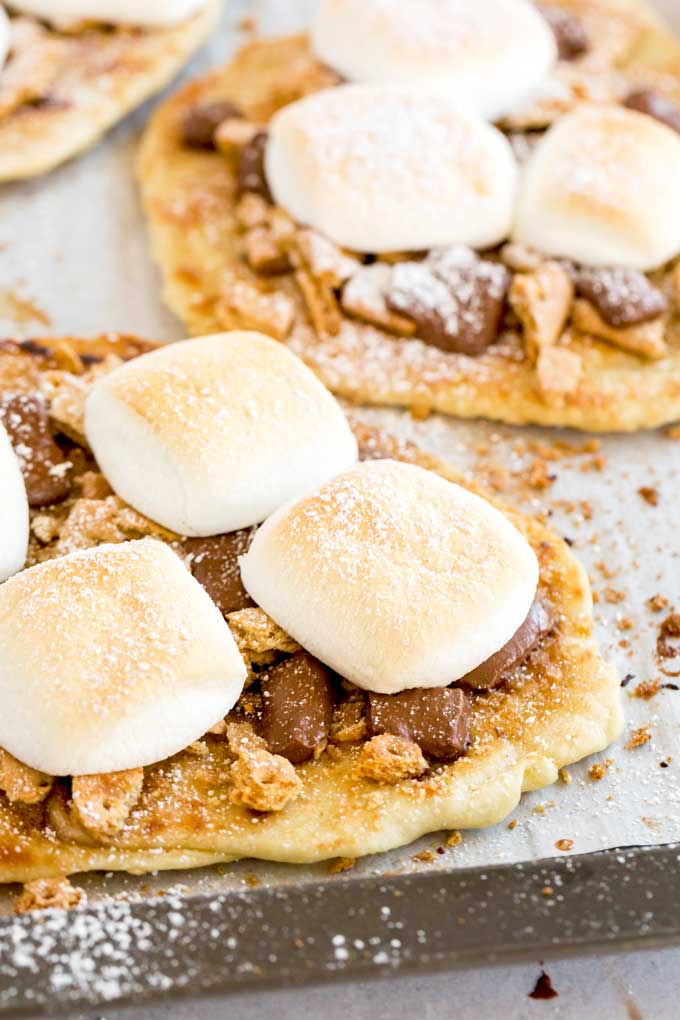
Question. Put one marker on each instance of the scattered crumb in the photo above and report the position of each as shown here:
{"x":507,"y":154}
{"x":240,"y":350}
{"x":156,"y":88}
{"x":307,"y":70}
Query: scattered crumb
{"x":639,"y":737}
{"x":657,"y":603}
{"x":341,"y":864}
{"x":600,"y":769}
{"x":48,"y":893}
{"x":454,"y":839}
{"x":252,"y":880}
{"x":646,"y":689}
{"x":565,"y":776}
{"x":649,"y":495}
{"x":613,"y":596}
{"x":424,"y":857}
{"x":564,"y":844}
{"x":512,"y":824}
{"x":547,"y":890}
{"x":626,"y":623}
{"x":539,"y":477}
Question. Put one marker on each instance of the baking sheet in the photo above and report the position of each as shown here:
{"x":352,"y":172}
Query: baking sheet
{"x":73,"y":259}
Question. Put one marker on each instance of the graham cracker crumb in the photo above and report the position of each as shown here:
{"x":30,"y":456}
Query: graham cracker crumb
{"x":564,"y":844}
{"x":47,"y":894}
{"x":341,"y":864}
{"x":102,"y":803}
{"x":263,"y":781}
{"x":22,"y":784}
{"x":646,"y":689}
{"x":649,"y":495}
{"x":424,"y":857}
{"x":600,"y":769}
{"x":388,"y":759}
{"x":657,"y":603}
{"x":639,"y":737}
{"x":565,"y":776}
{"x":613,"y":596}
{"x":454,"y":839}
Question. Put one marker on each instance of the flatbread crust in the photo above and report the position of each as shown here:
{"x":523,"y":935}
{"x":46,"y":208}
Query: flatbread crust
{"x":562,"y":705}
{"x":190,"y":201}
{"x":106,"y":75}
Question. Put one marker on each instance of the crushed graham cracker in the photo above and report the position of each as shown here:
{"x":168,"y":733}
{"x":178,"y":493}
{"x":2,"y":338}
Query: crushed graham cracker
{"x":388,"y":759}
{"x":48,"y":894}
{"x":263,"y":781}
{"x":639,"y":737}
{"x":102,"y":803}
{"x":600,"y":769}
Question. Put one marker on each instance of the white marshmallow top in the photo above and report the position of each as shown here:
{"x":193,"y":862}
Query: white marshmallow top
{"x":383,"y":168}
{"x":13,"y":510}
{"x":393,"y":576}
{"x":111,"y":658}
{"x":144,"y":13}
{"x":490,"y":56}
{"x":210,"y":435}
{"x":602,"y":188}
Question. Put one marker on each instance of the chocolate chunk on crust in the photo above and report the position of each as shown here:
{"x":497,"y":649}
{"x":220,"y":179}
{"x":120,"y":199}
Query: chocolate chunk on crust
{"x":44,"y":466}
{"x":437,"y":719}
{"x":655,"y":105}
{"x":297,"y":707}
{"x":214,"y":564}
{"x":570,"y":35}
{"x":202,"y":121}
{"x":537,"y":625}
{"x":251,"y":172}
{"x":623,"y":297}
{"x":455,"y":298}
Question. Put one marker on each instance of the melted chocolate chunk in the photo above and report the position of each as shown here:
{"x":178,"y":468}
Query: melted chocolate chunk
{"x":437,"y":719}
{"x":655,"y":105}
{"x":202,"y":121}
{"x":623,"y":297}
{"x":455,"y":298}
{"x":214,"y":564}
{"x":493,"y":671}
{"x":43,"y":464}
{"x":297,"y":707}
{"x":251,"y":172}
{"x":570,"y":35}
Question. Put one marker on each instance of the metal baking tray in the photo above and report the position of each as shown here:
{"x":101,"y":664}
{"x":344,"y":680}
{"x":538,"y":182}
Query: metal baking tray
{"x":338,"y":929}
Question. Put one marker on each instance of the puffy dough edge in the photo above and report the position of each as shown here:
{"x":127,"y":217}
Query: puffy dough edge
{"x":619,"y":392}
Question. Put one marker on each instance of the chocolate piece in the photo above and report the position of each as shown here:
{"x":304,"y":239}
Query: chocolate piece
{"x":214,"y":564}
{"x":202,"y":121}
{"x":437,"y":719}
{"x":455,"y":298}
{"x":251,"y":172}
{"x":622,"y":297}
{"x":655,"y":105}
{"x":493,"y":671}
{"x":297,"y":707}
{"x":45,"y":468}
{"x":570,"y":35}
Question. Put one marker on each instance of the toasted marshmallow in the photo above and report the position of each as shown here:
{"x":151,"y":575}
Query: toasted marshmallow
{"x":380,"y":168}
{"x":111,"y":658}
{"x":143,"y":13}
{"x":393,"y":576}
{"x":210,"y":435}
{"x":490,"y":56}
{"x":13,"y":510}
{"x":602,"y":188}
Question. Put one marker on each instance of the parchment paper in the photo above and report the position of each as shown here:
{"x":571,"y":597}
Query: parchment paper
{"x":73,"y":259}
